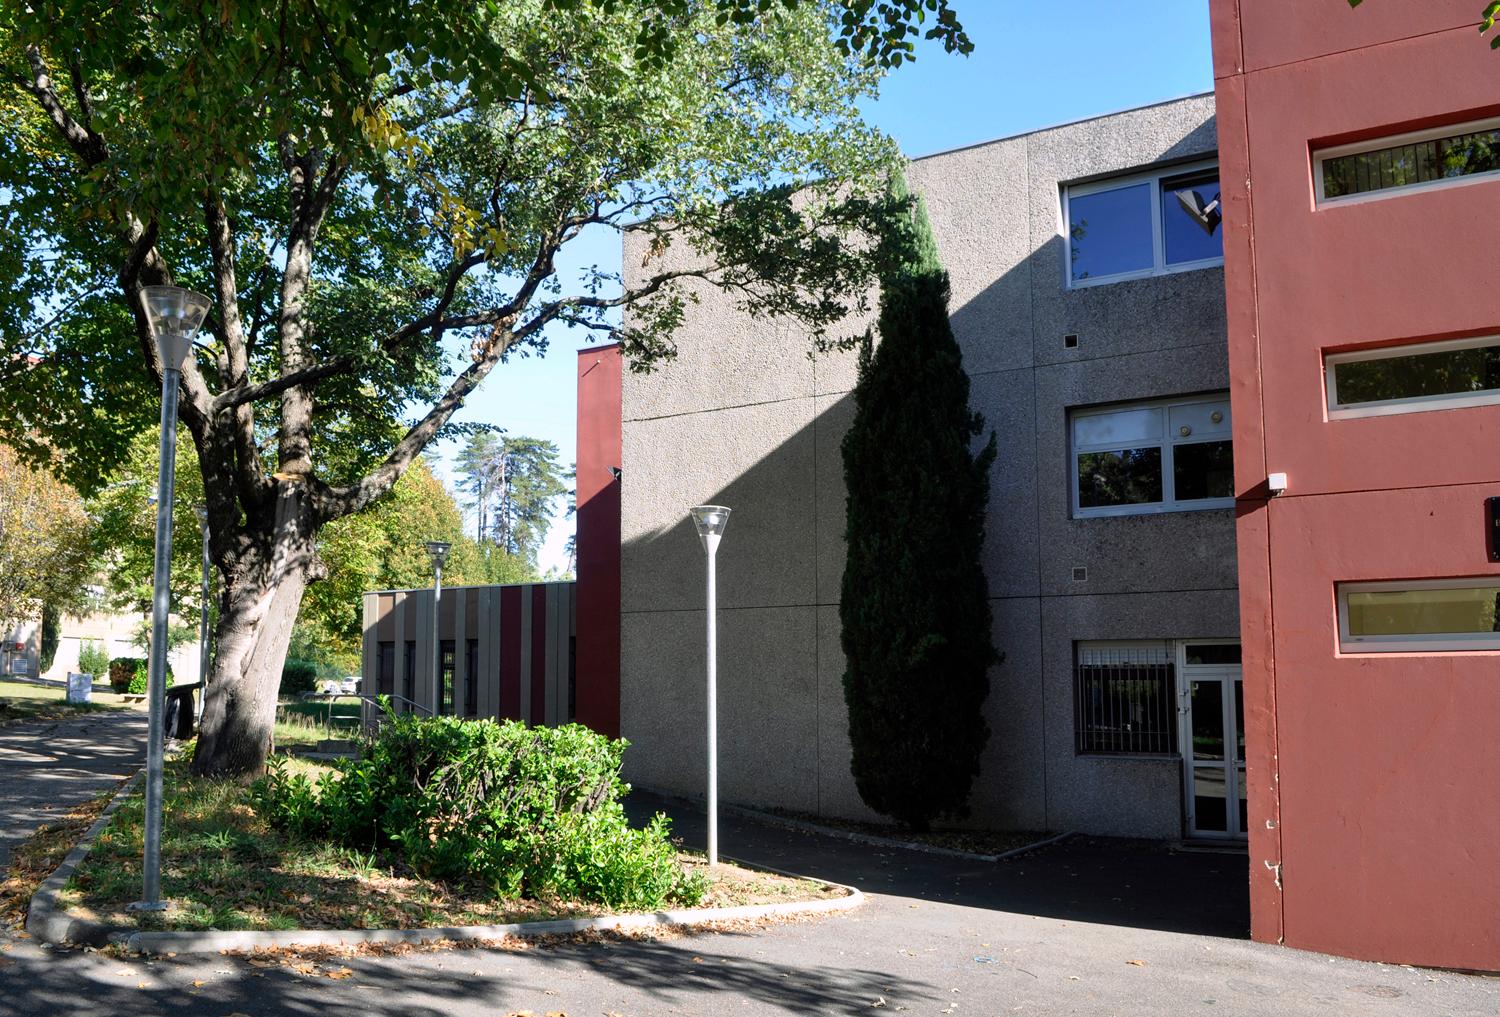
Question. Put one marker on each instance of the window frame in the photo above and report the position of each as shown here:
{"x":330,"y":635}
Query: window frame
{"x":1159,"y":266}
{"x":1408,"y":404}
{"x":1320,"y":155}
{"x":1168,"y":652}
{"x":1416,"y":642}
{"x":1168,"y":462}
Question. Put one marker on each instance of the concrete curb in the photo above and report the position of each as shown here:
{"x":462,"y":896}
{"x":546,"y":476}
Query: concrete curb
{"x":50,"y":925}
{"x":216,"y":942}
{"x":43,"y":919}
{"x":803,"y":826}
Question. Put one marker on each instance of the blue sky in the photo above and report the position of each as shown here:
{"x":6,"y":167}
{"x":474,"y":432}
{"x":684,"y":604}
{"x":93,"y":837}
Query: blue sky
{"x":1033,"y":65}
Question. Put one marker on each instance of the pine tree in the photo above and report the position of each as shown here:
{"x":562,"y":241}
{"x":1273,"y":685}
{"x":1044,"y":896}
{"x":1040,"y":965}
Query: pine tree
{"x":915,"y":605}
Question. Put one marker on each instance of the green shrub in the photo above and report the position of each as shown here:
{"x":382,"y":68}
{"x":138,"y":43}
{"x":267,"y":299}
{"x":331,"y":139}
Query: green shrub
{"x":92,"y":659}
{"x":298,"y":676}
{"x":141,"y":680}
{"x":524,"y":811}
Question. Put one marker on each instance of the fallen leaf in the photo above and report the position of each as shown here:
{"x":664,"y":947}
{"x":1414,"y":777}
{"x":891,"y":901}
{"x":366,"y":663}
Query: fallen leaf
{"x":140,"y":985}
{"x":339,"y":973}
{"x":879,"y":1001}
{"x":198,"y":982}
{"x":1136,"y":963}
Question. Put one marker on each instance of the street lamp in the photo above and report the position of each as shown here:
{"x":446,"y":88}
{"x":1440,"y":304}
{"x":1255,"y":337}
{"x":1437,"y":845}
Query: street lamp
{"x":202,"y":513}
{"x":437,"y":550}
{"x":173,"y":314}
{"x":710,"y":521}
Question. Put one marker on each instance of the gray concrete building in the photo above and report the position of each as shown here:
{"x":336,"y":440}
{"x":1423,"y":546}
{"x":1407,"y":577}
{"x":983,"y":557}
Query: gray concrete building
{"x":1092,"y":323}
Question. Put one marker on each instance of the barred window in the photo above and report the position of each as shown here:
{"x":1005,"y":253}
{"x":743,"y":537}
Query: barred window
{"x":471,"y":677}
{"x":1423,"y":158}
{"x":1124,"y":698}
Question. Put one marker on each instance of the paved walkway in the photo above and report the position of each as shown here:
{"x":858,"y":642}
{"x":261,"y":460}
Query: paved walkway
{"x":939,"y":936}
{"x":47,"y":766}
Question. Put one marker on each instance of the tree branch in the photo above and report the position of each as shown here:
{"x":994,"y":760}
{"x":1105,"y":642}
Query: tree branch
{"x":241,"y":395}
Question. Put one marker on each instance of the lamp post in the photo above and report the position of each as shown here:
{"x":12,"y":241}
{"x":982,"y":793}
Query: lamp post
{"x":438,"y":551}
{"x":710,"y":521}
{"x":202,"y":513}
{"x":173,"y":315}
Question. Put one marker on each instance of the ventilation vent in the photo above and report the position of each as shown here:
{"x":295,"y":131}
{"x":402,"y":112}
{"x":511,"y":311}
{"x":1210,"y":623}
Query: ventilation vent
{"x":1080,"y":574}
{"x":1070,"y":341}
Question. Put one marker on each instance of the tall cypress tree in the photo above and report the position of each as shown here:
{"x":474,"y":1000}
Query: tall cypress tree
{"x":915,"y":606}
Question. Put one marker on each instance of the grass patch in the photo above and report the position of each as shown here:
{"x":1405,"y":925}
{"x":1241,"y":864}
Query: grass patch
{"x":225,"y":867}
{"x":307,"y":722}
{"x":21,"y":702}
{"x":33,"y":860}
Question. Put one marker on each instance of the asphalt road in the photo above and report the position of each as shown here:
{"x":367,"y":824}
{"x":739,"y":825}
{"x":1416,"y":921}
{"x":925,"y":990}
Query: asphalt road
{"x":47,"y":766}
{"x":1089,"y":927}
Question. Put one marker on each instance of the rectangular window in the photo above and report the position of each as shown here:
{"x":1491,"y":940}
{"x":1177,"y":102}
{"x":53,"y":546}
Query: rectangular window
{"x":385,"y":671}
{"x":1152,"y":457}
{"x":1420,"y":615}
{"x":1409,"y":379}
{"x":1422,"y":159}
{"x":409,"y":684}
{"x":449,"y":661}
{"x":1125,"y":698}
{"x":471,"y":677}
{"x":1142,"y":225}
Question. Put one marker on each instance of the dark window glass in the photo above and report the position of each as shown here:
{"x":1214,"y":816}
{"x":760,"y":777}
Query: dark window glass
{"x":1459,"y":155}
{"x":449,"y":662}
{"x":1210,"y":799}
{"x":1208,"y":719}
{"x":385,"y":673}
{"x":1109,"y":232}
{"x":1445,"y":372}
{"x":1213,"y":653}
{"x":1191,"y":218}
{"x":1125,"y":707}
{"x":1203,"y":470}
{"x":471,"y":677}
{"x":1129,"y":476}
{"x":409,"y":684}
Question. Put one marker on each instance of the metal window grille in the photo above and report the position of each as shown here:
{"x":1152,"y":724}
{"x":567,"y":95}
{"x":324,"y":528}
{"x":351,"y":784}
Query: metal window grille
{"x":1124,"y":700}
{"x":385,"y":680}
{"x":471,"y":677}
{"x":1415,"y":163}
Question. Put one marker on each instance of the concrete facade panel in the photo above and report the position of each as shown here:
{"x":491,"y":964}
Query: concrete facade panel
{"x":1011,"y":548}
{"x":758,"y":460}
{"x":767,"y":704}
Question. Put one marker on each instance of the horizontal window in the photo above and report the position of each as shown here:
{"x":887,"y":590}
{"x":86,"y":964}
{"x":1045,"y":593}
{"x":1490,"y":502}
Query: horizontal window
{"x":1405,"y":379}
{"x":1420,"y":159}
{"x":1417,"y":616}
{"x":1144,"y":224}
{"x":1125,"y":699}
{"x":1152,"y":457}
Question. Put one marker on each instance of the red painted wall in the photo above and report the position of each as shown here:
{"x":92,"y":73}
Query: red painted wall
{"x":1374,"y":831}
{"x":598,"y":540}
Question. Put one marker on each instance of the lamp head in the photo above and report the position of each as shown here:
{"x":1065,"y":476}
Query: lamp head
{"x":710,"y":521}
{"x":174,"y":316}
{"x":437,"y":550}
{"x":1205,"y":213}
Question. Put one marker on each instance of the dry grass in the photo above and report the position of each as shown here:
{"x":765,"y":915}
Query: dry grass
{"x":224,"y":867}
{"x":33,"y":860}
{"x":21,"y":703}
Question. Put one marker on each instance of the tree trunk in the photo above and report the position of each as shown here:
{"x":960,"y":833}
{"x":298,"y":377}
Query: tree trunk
{"x":257,"y":611}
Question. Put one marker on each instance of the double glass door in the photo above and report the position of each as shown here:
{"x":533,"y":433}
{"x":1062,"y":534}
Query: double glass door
{"x":1213,"y":739}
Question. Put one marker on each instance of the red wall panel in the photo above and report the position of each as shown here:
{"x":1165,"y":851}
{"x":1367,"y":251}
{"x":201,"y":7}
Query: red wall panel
{"x":597,"y":690}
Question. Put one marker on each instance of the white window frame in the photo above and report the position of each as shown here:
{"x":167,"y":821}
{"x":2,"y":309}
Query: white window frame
{"x":1159,"y":264}
{"x":1408,"y":404}
{"x":1416,"y":642}
{"x":1395,"y":141}
{"x":1168,"y":440}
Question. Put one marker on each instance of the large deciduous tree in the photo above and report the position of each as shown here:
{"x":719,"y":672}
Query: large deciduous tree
{"x":915,"y":607}
{"x":44,"y":543}
{"x":376,"y":197}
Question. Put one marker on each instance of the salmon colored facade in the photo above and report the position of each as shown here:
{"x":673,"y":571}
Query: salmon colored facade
{"x":1374,"y":826}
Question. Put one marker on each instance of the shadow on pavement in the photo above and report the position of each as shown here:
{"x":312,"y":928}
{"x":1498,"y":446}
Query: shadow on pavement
{"x":1139,"y":884}
{"x":576,"y":978}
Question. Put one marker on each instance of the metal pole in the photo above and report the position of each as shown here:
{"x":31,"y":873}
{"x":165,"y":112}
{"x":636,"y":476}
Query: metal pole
{"x":156,"y":683}
{"x":203,"y":622}
{"x":437,"y":654}
{"x":713,"y":708}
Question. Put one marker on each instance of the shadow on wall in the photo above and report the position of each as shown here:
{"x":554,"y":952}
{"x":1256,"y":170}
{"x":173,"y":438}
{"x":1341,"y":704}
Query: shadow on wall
{"x":775,"y":461}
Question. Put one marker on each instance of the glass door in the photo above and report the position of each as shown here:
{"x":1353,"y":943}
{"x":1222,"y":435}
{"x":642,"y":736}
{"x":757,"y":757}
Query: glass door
{"x":1213,"y":740}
